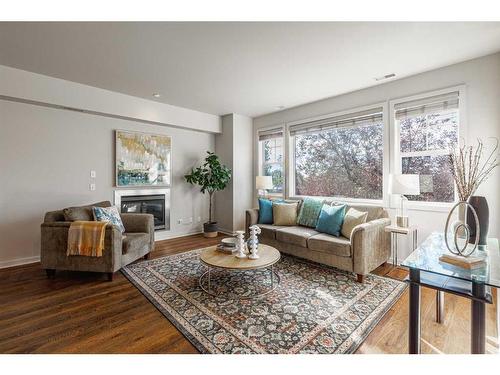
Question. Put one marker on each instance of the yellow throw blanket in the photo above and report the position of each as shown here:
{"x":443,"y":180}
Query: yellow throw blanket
{"x":86,"y":238}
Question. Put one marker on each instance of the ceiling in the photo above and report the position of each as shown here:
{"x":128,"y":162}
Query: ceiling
{"x":246,"y":68}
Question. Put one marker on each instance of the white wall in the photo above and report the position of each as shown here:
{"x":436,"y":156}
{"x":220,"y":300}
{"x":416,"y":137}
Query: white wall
{"x":234,"y":146}
{"x":46,"y":154}
{"x":20,"y":84}
{"x":482,"y":79}
{"x":224,"y":199}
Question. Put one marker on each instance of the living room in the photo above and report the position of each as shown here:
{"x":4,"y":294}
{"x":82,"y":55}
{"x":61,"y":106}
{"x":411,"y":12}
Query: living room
{"x":250,"y":187}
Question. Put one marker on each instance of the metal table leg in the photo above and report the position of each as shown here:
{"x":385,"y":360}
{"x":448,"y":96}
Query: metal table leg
{"x":478,"y":317}
{"x":414,"y":312}
{"x":209,"y":279}
{"x":439,"y":306}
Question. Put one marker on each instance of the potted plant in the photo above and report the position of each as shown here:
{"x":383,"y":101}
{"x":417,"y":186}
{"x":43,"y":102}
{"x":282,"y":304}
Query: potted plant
{"x":212,"y":176}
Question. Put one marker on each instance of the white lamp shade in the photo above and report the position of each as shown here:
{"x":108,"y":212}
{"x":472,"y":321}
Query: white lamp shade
{"x":404,"y":184}
{"x":263,"y":182}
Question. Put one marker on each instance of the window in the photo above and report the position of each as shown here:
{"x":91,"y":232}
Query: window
{"x":427,"y":130}
{"x":340,"y":156}
{"x":271,"y":157}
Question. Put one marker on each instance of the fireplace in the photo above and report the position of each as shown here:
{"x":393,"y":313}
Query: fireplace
{"x":155,"y":202}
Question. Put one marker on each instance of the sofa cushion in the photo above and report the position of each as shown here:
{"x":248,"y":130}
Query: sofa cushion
{"x":295,"y":235}
{"x":330,"y":219}
{"x":285,"y":213}
{"x":325,"y":243}
{"x":265,"y":211}
{"x":268,"y":230}
{"x":309,"y":212}
{"x":352,"y":218}
{"x":134,"y":241}
{"x":83,"y":213}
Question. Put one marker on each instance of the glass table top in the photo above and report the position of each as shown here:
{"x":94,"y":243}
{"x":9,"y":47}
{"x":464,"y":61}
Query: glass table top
{"x":426,"y":258}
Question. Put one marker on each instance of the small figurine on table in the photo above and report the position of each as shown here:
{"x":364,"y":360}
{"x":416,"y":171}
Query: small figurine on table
{"x":240,"y":245}
{"x":254,"y":242}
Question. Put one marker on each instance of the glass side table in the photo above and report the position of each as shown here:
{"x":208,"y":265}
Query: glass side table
{"x":426,"y":270}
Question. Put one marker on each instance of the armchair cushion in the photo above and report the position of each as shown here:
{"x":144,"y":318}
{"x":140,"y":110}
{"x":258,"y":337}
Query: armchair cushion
{"x":110,"y":215}
{"x":82,"y":213}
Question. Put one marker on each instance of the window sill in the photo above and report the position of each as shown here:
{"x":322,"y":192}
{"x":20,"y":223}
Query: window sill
{"x":426,"y":206}
{"x":368,"y":202}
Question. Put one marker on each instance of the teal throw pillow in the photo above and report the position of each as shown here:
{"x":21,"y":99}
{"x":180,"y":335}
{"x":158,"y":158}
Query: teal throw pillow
{"x":109,"y":214}
{"x":309,"y":212}
{"x":330,"y":219}
{"x":265,"y":211}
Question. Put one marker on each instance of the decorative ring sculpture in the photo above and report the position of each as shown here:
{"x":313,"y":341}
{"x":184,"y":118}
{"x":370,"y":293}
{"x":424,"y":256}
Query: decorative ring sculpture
{"x":462,"y":251}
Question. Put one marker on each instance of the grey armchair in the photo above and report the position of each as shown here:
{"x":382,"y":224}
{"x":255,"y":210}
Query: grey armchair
{"x":119,"y":249}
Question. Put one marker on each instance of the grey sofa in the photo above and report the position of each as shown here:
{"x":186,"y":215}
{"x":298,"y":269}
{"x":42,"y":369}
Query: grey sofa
{"x":119,"y":249}
{"x":368,"y":247}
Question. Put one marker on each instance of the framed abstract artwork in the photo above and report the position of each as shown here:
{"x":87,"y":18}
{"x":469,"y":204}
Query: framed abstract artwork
{"x":142,"y":159}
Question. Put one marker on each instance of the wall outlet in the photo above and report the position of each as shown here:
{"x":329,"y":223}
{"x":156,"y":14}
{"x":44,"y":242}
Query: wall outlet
{"x":92,"y":187}
{"x":92,"y":174}
{"x":198,"y":219}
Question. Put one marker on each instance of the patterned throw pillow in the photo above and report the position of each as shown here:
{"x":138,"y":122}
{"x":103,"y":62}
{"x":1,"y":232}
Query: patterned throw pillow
{"x":352,"y":218}
{"x":285,"y":213}
{"x":109,"y":214}
{"x":309,"y":212}
{"x":330,"y":219}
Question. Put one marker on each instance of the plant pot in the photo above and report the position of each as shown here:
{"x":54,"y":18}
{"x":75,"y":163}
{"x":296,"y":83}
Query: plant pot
{"x":481,"y":207}
{"x":210,"y":229}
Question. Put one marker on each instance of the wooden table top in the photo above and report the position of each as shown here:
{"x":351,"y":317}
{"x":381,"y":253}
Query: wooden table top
{"x":268,"y":255}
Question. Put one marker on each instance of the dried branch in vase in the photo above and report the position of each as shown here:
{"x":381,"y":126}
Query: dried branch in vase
{"x":469,"y":169}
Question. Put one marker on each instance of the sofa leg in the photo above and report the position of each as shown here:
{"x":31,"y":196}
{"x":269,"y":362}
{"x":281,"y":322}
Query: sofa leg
{"x":147,"y":256}
{"x":361,"y":278}
{"x":110,"y":276}
{"x":50,"y":273}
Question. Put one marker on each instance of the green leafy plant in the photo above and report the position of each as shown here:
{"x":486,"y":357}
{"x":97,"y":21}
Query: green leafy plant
{"x":212,"y":176}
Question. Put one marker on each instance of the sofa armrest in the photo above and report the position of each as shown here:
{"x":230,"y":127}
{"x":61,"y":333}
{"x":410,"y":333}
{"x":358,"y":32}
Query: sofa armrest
{"x":143,"y":223}
{"x":251,"y":218}
{"x":54,"y":244}
{"x":371,"y":245}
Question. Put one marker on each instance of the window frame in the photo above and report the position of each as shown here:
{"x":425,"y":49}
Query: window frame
{"x":260,"y":159}
{"x":396,"y":158}
{"x":290,"y":175}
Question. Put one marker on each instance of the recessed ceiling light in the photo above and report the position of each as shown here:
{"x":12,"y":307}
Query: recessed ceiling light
{"x":387,"y":76}
{"x":280,"y":107}
{"x":156,"y":95}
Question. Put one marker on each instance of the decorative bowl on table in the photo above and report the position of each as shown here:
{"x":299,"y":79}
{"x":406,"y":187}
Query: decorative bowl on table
{"x":227,"y":245}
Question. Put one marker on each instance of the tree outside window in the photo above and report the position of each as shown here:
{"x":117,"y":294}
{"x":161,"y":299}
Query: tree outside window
{"x":272,"y":162}
{"x":340,"y":162}
{"x":425,"y":144}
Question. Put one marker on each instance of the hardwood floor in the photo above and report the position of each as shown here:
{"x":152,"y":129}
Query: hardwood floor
{"x":83,"y":313}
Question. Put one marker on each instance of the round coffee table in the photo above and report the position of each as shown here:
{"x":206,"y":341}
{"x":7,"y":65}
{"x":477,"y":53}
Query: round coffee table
{"x":212,"y":258}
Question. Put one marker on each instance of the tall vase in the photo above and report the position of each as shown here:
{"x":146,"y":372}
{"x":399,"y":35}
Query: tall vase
{"x":481,"y":206}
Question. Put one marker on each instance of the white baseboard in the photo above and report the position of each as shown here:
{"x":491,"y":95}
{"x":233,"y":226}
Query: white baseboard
{"x":19,"y":262}
{"x":228,"y":232}
{"x":164,"y":237}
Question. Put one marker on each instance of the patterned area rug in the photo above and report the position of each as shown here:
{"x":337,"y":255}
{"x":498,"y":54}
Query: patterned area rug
{"x":315,"y":309}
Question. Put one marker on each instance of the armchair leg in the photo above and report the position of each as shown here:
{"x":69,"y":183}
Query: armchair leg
{"x":50,"y":273}
{"x":361,"y":278}
{"x":147,"y":256}
{"x":110,"y":276}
